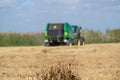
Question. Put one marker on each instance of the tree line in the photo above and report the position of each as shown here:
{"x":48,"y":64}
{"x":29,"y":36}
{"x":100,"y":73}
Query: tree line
{"x":37,"y":39}
{"x":110,"y":36}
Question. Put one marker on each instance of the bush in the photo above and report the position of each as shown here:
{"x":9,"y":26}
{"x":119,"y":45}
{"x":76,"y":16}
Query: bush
{"x":93,"y":36}
{"x":21,"y":39}
{"x":111,"y":36}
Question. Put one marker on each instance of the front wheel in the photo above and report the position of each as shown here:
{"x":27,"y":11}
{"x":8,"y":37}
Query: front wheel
{"x":82,"y":41}
{"x":75,"y":41}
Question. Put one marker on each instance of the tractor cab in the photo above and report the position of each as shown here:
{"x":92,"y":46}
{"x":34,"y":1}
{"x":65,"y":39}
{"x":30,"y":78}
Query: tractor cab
{"x":76,"y":31}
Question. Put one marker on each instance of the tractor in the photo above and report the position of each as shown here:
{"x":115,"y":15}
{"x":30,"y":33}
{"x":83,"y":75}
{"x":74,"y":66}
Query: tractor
{"x":62,"y":34}
{"x":78,"y":39}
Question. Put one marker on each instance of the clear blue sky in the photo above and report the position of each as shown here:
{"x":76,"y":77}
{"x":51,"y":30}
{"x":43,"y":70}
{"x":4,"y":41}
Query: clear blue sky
{"x":33,"y":15}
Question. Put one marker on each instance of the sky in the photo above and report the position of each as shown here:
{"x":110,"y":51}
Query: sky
{"x":33,"y":15}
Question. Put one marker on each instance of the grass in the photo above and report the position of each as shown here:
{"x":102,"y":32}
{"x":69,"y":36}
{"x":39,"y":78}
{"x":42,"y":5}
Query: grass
{"x":21,"y":39}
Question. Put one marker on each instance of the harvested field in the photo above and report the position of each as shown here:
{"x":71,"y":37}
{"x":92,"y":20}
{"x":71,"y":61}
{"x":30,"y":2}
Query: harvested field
{"x":89,"y":62}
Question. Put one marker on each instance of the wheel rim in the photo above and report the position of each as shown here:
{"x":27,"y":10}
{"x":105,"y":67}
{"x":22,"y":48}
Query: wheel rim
{"x":78,"y":42}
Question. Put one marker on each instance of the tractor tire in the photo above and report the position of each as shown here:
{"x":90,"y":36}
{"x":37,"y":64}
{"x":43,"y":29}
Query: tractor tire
{"x":82,"y":41}
{"x":75,"y":41}
{"x":78,"y":42}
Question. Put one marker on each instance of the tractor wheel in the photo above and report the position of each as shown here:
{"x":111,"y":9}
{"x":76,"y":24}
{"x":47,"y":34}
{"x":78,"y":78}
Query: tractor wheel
{"x":75,"y":41}
{"x":82,"y":41}
{"x":78,"y":42}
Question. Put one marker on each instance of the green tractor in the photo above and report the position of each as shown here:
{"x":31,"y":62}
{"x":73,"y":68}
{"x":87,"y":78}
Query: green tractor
{"x":78,"y":39}
{"x":61,"y":34}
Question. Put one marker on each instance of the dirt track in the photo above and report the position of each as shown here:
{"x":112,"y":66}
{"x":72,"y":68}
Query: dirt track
{"x":90,"y":62}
